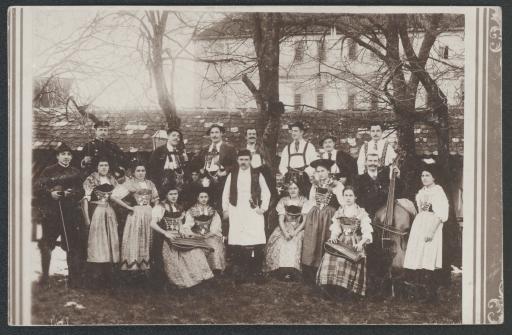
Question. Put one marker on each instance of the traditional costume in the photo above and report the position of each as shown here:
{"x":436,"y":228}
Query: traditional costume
{"x":136,"y":238}
{"x":296,"y":158}
{"x":344,"y":166}
{"x":325,"y":197}
{"x":350,"y":225}
{"x":103,"y":245}
{"x":382,"y":148}
{"x":282,"y":253}
{"x":203,"y":221}
{"x":244,"y":192}
{"x":183,"y":267}
{"x":61,"y":217}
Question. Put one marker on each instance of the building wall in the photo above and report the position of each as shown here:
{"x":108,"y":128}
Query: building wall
{"x":299,"y":75}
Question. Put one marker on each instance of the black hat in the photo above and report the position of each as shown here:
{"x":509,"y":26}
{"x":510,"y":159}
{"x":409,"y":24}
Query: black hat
{"x":62,"y":147}
{"x":297,"y":124}
{"x":101,"y":124}
{"x":215,"y":125}
{"x":332,"y":137}
{"x":326,"y":163}
{"x":244,"y":152}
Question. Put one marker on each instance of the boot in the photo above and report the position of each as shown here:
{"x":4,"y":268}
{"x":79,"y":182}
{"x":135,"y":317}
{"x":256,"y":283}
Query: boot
{"x":46,"y":256}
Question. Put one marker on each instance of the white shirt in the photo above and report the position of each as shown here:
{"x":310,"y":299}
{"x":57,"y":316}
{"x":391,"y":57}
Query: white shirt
{"x":325,"y":155}
{"x":298,"y":161}
{"x":246,"y":226}
{"x":168,"y":164}
{"x":256,"y":160}
{"x":390,"y":154}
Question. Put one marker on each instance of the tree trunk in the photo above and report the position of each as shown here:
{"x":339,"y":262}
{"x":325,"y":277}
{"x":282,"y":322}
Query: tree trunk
{"x":166,"y":104}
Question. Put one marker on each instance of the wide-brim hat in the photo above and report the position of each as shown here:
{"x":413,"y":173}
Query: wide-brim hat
{"x":326,"y":163}
{"x":215,"y":125}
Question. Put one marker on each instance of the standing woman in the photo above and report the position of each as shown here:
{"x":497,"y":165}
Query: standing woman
{"x":325,"y":197}
{"x":425,"y":245}
{"x":284,"y":247}
{"x":184,"y":268}
{"x":350,"y":228}
{"x":103,"y":242}
{"x":141,"y":194}
{"x":203,"y":220}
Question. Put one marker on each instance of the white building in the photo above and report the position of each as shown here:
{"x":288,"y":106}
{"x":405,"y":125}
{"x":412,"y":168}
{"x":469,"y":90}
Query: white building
{"x":316,"y":70}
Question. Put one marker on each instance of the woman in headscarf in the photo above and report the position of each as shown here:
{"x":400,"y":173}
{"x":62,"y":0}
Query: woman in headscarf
{"x":351,"y":229}
{"x":284,"y":247}
{"x":103,"y":241}
{"x":140,"y":193}
{"x":202,"y":220}
{"x":325,"y":197}
{"x":424,"y":253}
{"x":184,"y":267}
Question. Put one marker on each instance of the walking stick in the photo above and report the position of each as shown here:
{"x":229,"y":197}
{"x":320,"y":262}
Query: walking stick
{"x":65,"y":235}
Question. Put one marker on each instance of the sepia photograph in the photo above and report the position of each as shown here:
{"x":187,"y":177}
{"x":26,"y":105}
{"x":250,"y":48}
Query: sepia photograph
{"x":254,"y":165}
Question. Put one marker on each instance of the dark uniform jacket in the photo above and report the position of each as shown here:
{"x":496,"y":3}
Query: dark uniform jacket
{"x":98,"y":148}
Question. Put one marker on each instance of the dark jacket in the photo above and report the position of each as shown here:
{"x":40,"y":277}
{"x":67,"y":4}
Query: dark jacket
{"x":157,"y":162}
{"x":227,"y":157}
{"x":97,"y":148}
{"x":347,"y":166}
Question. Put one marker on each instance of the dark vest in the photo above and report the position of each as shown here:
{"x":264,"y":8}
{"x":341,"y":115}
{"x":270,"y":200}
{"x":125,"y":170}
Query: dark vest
{"x":255,"y":187}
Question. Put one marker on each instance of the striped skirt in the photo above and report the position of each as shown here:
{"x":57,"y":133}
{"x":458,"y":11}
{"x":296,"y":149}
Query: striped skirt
{"x":339,"y":271}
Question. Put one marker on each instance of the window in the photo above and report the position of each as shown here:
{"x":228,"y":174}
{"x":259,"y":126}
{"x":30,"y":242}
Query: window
{"x":321,"y":51}
{"x":297,"y":101}
{"x":299,"y":51}
{"x":351,"y":101}
{"x":320,"y":101}
{"x":445,"y":52}
{"x":352,"y":49}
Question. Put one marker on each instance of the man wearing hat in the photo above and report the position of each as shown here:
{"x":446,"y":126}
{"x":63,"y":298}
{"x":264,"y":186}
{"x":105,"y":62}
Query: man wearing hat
{"x":218,"y":160}
{"x":297,"y":156}
{"x":168,"y":162}
{"x":345,"y":167}
{"x":101,"y":146}
{"x":59,"y":189}
{"x":377,"y":145}
{"x":245,"y":199}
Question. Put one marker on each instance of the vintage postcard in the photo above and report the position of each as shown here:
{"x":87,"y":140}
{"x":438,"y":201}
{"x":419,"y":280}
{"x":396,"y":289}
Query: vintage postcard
{"x":255,"y":165}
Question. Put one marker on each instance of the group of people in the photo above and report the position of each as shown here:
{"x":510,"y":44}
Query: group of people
{"x":186,"y":220}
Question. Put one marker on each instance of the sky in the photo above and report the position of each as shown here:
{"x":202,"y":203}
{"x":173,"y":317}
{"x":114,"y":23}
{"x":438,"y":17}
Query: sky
{"x":106,"y":62}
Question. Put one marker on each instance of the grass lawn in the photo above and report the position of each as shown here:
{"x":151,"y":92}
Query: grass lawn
{"x":219,"y":301}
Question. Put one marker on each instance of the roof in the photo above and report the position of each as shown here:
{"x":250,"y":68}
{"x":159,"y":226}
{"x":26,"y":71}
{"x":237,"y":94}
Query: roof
{"x":133,"y":130}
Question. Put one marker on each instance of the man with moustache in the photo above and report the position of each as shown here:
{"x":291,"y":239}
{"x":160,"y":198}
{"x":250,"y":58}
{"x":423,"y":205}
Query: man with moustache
{"x":217,"y":160}
{"x":377,"y":145}
{"x":245,"y":200}
{"x":168,"y":163}
{"x":59,"y":189}
{"x":345,"y":167}
{"x":102,"y":147}
{"x":296,"y":158}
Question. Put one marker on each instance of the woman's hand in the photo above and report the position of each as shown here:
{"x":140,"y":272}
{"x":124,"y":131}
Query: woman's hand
{"x":259,"y":211}
{"x":360,"y":245}
{"x":429,"y":237}
{"x":333,"y":239}
{"x":170,"y":235}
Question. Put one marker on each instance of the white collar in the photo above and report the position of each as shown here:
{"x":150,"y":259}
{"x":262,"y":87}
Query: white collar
{"x":217,"y":146}
{"x":64,"y":166}
{"x":170,"y":147}
{"x":373,"y":174}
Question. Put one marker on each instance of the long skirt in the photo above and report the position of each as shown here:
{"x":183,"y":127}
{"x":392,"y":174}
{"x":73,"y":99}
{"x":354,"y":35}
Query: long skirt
{"x":216,"y":258}
{"x":421,"y":254}
{"x":342,"y":272}
{"x":282,"y":253}
{"x":103,"y":243}
{"x":316,"y":232}
{"x":185,"y":268}
{"x":136,"y":240}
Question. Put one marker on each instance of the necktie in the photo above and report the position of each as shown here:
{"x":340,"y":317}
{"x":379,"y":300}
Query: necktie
{"x":296,"y":146}
{"x":329,"y":155}
{"x":375,"y":145}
